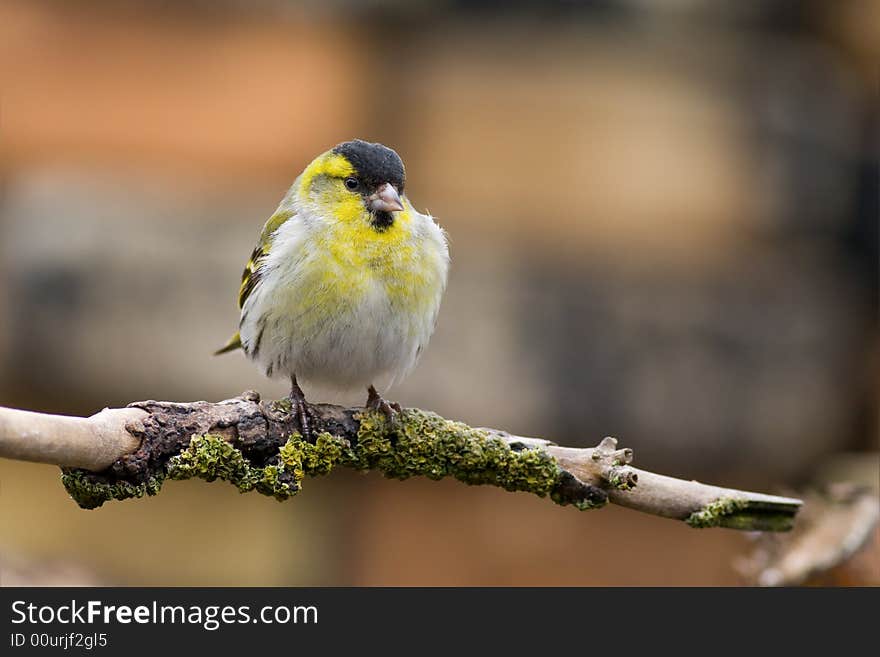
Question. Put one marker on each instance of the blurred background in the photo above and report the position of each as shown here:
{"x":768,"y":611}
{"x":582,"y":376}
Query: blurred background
{"x":663,"y":224}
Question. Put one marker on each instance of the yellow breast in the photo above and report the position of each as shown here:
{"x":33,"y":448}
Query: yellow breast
{"x":351,"y":264}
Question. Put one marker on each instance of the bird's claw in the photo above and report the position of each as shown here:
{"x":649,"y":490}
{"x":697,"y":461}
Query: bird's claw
{"x":302,"y":411}
{"x":375,"y":402}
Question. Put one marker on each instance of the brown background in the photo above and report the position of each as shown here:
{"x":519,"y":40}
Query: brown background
{"x":662,"y":223}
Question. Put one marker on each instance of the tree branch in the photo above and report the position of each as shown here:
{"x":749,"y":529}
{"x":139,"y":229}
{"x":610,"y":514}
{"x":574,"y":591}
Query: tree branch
{"x":93,"y":443}
{"x":839,"y":521}
{"x":122,"y":453}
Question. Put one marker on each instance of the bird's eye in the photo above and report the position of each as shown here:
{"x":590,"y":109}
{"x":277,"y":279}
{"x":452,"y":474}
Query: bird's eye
{"x":351,"y":183}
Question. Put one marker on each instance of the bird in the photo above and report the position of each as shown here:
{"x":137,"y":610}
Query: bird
{"x":344,"y":285}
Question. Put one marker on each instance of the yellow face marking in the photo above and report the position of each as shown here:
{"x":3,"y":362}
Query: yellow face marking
{"x":355,"y":238}
{"x":329,"y":164}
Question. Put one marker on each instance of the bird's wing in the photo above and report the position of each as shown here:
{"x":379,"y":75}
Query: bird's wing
{"x":252,"y":273}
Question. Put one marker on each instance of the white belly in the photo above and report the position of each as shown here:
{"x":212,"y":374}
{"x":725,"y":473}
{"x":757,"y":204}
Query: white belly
{"x":351,"y":346}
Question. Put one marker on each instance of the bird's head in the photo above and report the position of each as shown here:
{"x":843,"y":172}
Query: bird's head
{"x":356,"y":181}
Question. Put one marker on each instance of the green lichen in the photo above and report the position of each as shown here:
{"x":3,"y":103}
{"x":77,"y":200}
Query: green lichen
{"x":581,"y":504}
{"x":318,"y":458}
{"x":90,"y":491}
{"x":414,"y":443}
{"x":283,"y":406}
{"x":720,"y":513}
{"x":210,"y":457}
{"x":421,"y":443}
{"x":620,"y":479}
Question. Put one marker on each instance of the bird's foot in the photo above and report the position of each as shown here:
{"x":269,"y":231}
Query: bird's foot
{"x":304,"y":417}
{"x":375,"y":402}
{"x":300,"y":409}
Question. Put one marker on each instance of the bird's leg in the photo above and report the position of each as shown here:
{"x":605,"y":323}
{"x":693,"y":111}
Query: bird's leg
{"x":301,"y":409}
{"x":376,"y":403}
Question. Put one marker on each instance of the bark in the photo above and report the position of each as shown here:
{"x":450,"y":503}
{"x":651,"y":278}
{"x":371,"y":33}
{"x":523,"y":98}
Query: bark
{"x":121,"y":453}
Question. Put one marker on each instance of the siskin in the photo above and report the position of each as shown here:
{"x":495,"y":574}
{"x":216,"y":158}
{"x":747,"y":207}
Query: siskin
{"x":344,"y":285}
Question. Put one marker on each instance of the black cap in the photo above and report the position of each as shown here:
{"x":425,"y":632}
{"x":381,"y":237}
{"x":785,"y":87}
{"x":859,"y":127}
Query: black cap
{"x":375,"y":164}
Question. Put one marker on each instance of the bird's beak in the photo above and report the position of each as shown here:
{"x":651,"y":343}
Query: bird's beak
{"x":386,"y":199}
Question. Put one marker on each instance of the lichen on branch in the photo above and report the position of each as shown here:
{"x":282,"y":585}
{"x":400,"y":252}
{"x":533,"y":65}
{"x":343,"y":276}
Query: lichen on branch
{"x":414,"y":443}
{"x":257,"y":446}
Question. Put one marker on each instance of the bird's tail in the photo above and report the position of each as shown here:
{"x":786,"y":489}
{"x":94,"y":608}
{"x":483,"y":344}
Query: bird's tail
{"x":233,"y":344}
